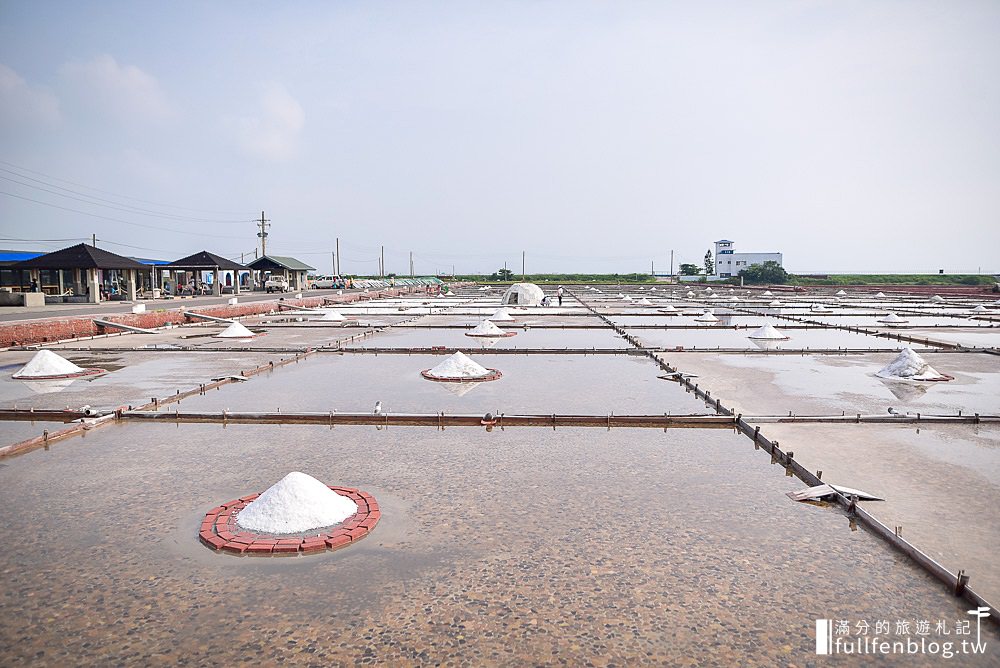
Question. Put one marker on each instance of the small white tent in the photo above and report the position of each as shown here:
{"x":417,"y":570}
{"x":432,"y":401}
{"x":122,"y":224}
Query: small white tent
{"x":523,"y":294}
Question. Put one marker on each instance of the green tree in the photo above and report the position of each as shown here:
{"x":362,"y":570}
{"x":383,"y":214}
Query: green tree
{"x":688,"y":269}
{"x":503,"y":275}
{"x":769,"y":272}
{"x":709,"y":264}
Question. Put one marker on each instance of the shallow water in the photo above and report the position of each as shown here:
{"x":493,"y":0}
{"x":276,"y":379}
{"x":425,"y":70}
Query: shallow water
{"x":836,"y":384}
{"x":530,"y":384}
{"x":515,"y":547}
{"x":941,"y":484}
{"x":738,"y":338}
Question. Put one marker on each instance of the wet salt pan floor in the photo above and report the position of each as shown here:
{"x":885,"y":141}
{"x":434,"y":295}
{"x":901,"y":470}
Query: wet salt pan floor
{"x":523,"y":546}
{"x":611,"y":551}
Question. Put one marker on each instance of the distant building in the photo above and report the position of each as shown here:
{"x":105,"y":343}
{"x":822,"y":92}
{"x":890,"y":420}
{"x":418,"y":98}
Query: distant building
{"x":729,"y":263}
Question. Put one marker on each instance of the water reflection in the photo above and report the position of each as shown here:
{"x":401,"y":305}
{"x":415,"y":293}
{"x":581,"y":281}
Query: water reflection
{"x":459,"y":389}
{"x":905,"y":390}
{"x":48,"y":386}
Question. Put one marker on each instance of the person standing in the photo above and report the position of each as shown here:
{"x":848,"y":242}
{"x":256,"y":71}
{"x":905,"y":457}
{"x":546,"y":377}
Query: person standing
{"x":559,"y":294}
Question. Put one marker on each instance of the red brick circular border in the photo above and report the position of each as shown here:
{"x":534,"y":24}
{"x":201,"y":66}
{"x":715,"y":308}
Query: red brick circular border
{"x":220,"y":532}
{"x":492,"y":336}
{"x":492,"y":375}
{"x":65,"y":376}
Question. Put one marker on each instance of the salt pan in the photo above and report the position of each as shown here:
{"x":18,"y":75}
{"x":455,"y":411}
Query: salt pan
{"x":296,"y":503}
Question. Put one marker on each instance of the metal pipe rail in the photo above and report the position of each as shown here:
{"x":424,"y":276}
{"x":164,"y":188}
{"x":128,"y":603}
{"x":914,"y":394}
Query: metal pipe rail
{"x":332,"y":418}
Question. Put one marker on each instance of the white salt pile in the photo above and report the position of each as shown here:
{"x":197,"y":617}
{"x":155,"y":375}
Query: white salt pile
{"x":627,"y":298}
{"x":333,"y":315}
{"x":296,"y":503}
{"x":646,"y":302}
{"x":776,"y":304}
{"x":621,"y":295}
{"x":892,"y":318}
{"x":821,"y":308}
{"x":46,"y":363}
{"x":880,"y":295}
{"x":459,"y":366}
{"x":235,"y":331}
{"x":652,"y":289}
{"x":669,"y":308}
{"x":690,"y":295}
{"x":979,"y":309}
{"x":937,"y":299}
{"x":707,"y":317}
{"x":501,"y":315}
{"x":709,"y":290}
{"x":841,"y":293}
{"x":767,"y":333}
{"x":768,"y":293}
{"x":486,"y":328}
{"x":910,"y":366}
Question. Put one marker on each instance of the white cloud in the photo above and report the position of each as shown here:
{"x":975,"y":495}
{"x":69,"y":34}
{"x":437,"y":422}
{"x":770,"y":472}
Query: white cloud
{"x":122,"y":91}
{"x":23,"y":102}
{"x":273,"y":132}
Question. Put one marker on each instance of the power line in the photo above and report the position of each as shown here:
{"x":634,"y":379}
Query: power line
{"x":106,"y":192}
{"x":117,"y":220}
{"x":111,"y":205}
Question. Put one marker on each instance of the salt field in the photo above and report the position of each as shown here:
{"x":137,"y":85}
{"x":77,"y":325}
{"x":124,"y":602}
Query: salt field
{"x":566,"y":535}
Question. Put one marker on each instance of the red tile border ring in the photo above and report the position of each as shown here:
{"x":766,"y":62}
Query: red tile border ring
{"x":492,"y":336}
{"x":492,"y":375}
{"x":220,"y":532}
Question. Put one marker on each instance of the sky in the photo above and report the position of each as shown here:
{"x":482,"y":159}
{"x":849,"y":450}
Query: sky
{"x":851,"y":136}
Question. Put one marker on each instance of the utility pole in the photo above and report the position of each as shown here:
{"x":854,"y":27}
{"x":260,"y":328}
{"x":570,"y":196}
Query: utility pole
{"x":338,"y":257}
{"x":93,"y":238}
{"x":382,"y":262}
{"x":671,"y":264}
{"x":264,"y":224}
{"x":411,"y":264}
{"x":522,"y":266}
{"x":652,"y":272}
{"x":333,"y":263}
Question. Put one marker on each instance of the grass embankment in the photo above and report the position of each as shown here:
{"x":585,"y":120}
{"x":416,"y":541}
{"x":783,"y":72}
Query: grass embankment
{"x":893,"y":279}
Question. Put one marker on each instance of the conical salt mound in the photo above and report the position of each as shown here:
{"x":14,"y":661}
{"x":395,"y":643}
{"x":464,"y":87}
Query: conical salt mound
{"x":708,"y":290}
{"x":458,"y":366}
{"x":501,"y":315}
{"x":296,"y":503}
{"x":767,"y":333}
{"x":46,"y":364}
{"x":235,"y":331}
{"x":776,"y":304}
{"x":892,"y":318}
{"x":767,"y":293}
{"x":706,"y":317}
{"x":646,"y":302}
{"x":652,"y":289}
{"x":690,"y":295}
{"x":910,"y":366}
{"x":880,"y":295}
{"x":334,"y":316}
{"x":841,"y":293}
{"x":937,"y":299}
{"x":669,"y":308}
{"x":979,"y":309}
{"x":486,"y":328}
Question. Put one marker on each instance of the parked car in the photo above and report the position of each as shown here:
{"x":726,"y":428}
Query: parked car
{"x":276,"y":283}
{"x":325,"y":282}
